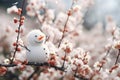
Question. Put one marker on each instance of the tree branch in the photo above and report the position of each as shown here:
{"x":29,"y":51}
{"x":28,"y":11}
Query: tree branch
{"x":80,"y":77}
{"x":35,"y":64}
{"x":25,"y":47}
{"x":43,"y":64}
{"x":18,"y":35}
{"x":35,"y":71}
{"x":117,"y":57}
{"x":64,"y":30}
{"x":108,"y":51}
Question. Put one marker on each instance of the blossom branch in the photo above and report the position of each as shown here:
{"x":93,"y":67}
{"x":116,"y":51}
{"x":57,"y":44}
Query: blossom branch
{"x":34,"y":64}
{"x":18,"y":35}
{"x":43,"y":64}
{"x":108,"y":51}
{"x":64,"y":30}
{"x":79,"y":77}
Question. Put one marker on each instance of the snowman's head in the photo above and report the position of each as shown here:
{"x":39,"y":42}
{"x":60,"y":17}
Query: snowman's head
{"x":36,"y":37}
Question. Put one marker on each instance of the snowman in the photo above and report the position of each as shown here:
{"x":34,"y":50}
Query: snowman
{"x":38,"y":51}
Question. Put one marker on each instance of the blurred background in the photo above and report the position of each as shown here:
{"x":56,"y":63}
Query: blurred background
{"x":96,"y":13}
{"x":9,"y":3}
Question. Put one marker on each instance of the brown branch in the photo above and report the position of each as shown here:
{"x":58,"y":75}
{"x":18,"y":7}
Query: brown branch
{"x":108,"y":51}
{"x":81,"y":77}
{"x":100,"y":68}
{"x":44,"y":64}
{"x":25,"y":47}
{"x":64,"y":30}
{"x":35,"y":64}
{"x":35,"y":71}
{"x":18,"y":35}
{"x":76,"y":71}
{"x":64,"y":61}
{"x":8,"y":65}
{"x":117,"y":57}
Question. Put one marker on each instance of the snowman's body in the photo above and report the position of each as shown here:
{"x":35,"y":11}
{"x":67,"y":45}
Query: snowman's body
{"x":38,"y":54}
{"x":38,"y":51}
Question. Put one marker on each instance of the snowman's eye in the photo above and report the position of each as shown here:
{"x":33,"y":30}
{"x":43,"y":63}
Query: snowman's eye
{"x":35,"y":35}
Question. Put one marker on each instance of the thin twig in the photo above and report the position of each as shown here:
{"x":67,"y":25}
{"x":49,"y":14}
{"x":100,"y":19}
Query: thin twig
{"x":108,"y":51}
{"x":81,"y":77}
{"x":25,"y":47}
{"x":18,"y":35}
{"x":64,"y":30}
{"x":64,"y":61}
{"x":117,"y":57}
{"x":100,"y":67}
{"x":76,"y":71}
{"x":47,"y":38}
{"x":35,"y":71}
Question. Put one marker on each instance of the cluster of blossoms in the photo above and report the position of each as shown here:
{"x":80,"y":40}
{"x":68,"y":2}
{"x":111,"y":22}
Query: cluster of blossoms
{"x":75,"y":53}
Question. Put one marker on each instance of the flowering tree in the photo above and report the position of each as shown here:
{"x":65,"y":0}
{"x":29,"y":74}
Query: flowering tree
{"x":75,"y":54}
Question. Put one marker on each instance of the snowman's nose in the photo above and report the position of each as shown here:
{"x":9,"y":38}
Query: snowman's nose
{"x":40,"y":37}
